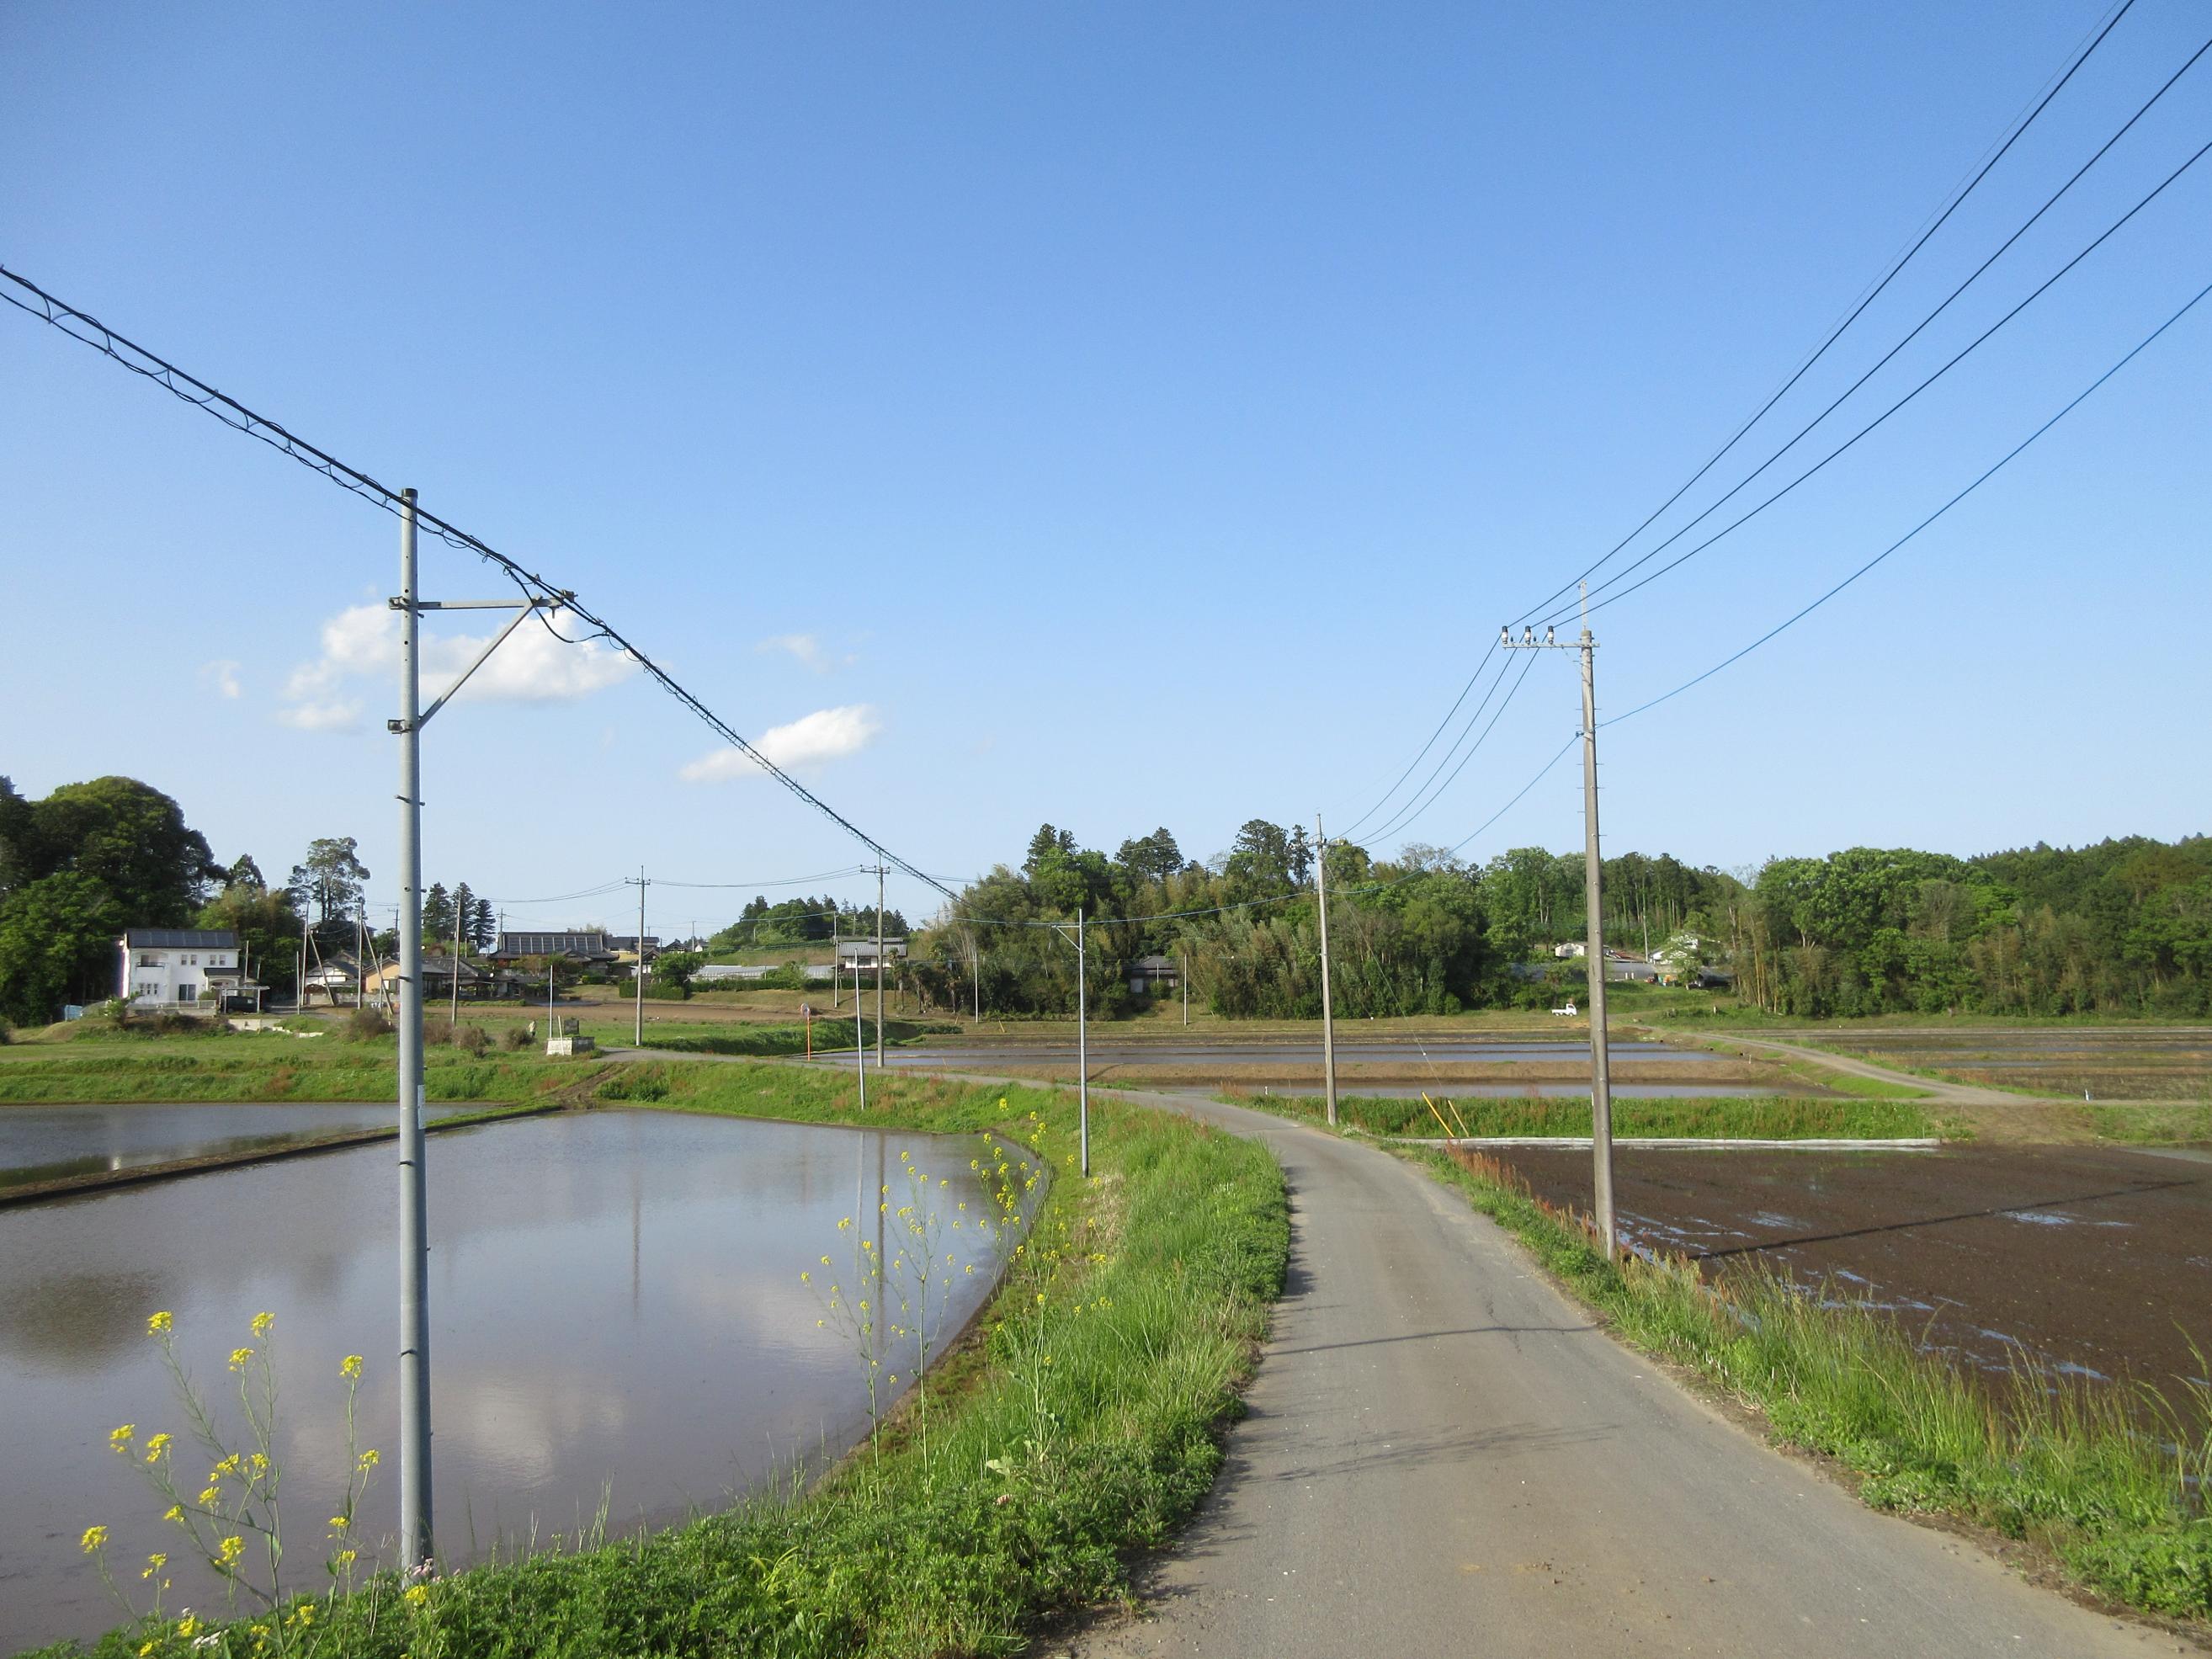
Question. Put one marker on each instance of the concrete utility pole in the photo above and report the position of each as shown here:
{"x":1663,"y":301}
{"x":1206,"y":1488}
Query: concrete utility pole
{"x":974,"y":977}
{"x":638,"y":1035}
{"x":415,"y":1507}
{"x":879,"y":967}
{"x":1593,"y":918}
{"x":457,"y":968}
{"x":1327,"y":1005}
{"x":414,"y":1203}
{"x":859,"y":1036}
{"x":1082,"y":1043}
{"x":1183,"y":972}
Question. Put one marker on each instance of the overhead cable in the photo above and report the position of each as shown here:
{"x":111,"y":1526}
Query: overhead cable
{"x":1836,"y":333}
{"x":2042,"y":288}
{"x":1990,"y":472}
{"x":90,"y":331}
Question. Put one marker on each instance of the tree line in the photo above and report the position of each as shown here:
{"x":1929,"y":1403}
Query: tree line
{"x":2124,"y":926}
{"x":92,"y":860}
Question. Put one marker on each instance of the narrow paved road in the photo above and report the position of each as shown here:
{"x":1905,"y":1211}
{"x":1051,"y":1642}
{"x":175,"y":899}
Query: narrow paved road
{"x":1443,"y":1456}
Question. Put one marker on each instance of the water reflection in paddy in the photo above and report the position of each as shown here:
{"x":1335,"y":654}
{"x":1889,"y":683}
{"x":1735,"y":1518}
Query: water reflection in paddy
{"x":615,"y":1298}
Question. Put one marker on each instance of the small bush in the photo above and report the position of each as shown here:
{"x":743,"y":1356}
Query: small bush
{"x":364,"y":1024}
{"x":473,"y":1039}
{"x":517,"y":1037}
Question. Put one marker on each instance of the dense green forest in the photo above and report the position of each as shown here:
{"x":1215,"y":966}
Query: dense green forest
{"x":2123,"y":927}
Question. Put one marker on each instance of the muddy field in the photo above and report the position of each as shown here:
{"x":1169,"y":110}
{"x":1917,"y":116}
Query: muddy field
{"x":2085,"y":1262}
{"x":2108,"y":1063}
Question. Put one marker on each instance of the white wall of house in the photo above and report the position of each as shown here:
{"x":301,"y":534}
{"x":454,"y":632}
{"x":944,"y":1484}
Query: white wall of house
{"x":162,"y":976}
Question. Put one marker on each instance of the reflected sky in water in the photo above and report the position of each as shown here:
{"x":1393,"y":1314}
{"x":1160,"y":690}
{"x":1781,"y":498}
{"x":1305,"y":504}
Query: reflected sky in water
{"x":615,"y":1300}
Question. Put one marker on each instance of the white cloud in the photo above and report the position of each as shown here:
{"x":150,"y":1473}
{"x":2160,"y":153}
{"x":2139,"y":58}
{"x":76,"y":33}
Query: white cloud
{"x":805,"y":646}
{"x":223,"y":674}
{"x":322,"y":716}
{"x":825,"y":734}
{"x":363,"y":642}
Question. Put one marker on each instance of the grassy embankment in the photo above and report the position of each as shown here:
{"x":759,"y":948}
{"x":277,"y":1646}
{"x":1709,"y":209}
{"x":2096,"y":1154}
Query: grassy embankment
{"x":2070,"y":1468}
{"x":1777,"y":1117}
{"x":1081,"y":1421}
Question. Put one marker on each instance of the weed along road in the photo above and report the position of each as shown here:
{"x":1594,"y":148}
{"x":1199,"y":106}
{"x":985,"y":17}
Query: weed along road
{"x":1444,"y":1456}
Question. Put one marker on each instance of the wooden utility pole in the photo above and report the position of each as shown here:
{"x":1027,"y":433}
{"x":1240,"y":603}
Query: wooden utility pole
{"x":1327,"y":1009}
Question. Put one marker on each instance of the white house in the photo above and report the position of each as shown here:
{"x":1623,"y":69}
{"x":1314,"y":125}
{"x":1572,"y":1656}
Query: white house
{"x":1572,"y":948}
{"x":169,"y":967}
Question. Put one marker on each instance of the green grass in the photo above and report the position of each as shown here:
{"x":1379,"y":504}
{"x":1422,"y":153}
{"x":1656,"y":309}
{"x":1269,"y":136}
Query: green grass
{"x":2180,"y":1124}
{"x":1080,"y":1423}
{"x":330,"y":1070}
{"x":2071,"y":1468}
{"x":1776,"y":1117}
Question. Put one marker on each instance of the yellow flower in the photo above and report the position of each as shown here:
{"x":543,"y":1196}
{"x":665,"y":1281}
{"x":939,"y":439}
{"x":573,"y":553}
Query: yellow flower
{"x":825,"y":1261}
{"x":228,"y":1551}
{"x":238,"y":1357}
{"x":368,"y":1460}
{"x":157,"y":1448}
{"x":160,"y":1325}
{"x":416,"y":1595}
{"x":338,"y":1523}
{"x":144,"y":1648}
{"x":154,"y":1564}
{"x":94,"y":1539}
{"x":806,"y":1278}
{"x":210,"y":1498}
{"x":173,"y":1513}
{"x":262,"y":1321}
{"x":188,"y":1627}
{"x":120,"y":1437}
{"x":349,"y":1368}
{"x":346,"y":1557}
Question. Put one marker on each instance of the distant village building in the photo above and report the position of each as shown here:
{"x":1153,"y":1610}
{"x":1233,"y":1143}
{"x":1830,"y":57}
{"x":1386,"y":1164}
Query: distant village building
{"x":625,"y":945}
{"x":335,"y":979}
{"x":588,"y":947}
{"x":171,"y":967}
{"x":1151,"y":975}
{"x":477,"y":983}
{"x":1572,"y":948}
{"x":861,"y":953}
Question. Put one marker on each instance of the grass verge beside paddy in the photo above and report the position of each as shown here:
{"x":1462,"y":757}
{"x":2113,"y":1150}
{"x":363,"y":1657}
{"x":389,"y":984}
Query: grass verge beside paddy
{"x":1079,"y":1422}
{"x":1776,"y":1117}
{"x":2110,"y":1481}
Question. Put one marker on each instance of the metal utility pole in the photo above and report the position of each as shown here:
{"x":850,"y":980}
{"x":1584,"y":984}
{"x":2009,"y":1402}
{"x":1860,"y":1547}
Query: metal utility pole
{"x":1593,"y":917}
{"x":638,"y":1037}
{"x":879,"y":967}
{"x":415,"y":1507}
{"x":457,"y":968}
{"x":1082,"y":1045}
{"x":1327,"y":1004}
{"x":975,"y":977}
{"x":859,"y":1036}
{"x":1183,"y":972}
{"x":414,"y":1203}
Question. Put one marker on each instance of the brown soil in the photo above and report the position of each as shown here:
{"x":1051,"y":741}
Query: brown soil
{"x":2071,"y":1257}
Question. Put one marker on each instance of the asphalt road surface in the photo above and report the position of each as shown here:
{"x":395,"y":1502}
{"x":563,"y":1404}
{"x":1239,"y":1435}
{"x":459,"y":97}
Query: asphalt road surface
{"x":1444,"y":1456}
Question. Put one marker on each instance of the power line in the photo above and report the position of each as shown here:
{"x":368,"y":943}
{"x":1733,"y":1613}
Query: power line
{"x":1413,"y":812}
{"x":1986,"y":476}
{"x":1354,"y":826}
{"x":2042,"y":288}
{"x":1836,"y":333}
{"x":1883,"y":361}
{"x":90,"y":331}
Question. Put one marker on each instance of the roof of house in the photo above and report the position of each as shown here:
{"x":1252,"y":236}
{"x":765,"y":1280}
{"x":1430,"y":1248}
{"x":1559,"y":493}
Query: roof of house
{"x":179,"y":938}
{"x":1156,"y":964}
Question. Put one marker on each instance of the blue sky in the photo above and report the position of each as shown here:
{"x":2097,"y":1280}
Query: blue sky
{"x":1117,"y":416}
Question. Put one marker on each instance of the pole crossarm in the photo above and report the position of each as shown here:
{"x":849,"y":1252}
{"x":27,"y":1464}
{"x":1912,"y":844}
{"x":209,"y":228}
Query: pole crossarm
{"x":522,"y":609}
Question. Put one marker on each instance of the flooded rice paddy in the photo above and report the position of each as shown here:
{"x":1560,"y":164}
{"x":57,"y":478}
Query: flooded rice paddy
{"x":616,"y":1303}
{"x":2087,"y":1262}
{"x":52,"y":1143}
{"x":2108,"y":1062}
